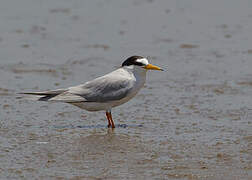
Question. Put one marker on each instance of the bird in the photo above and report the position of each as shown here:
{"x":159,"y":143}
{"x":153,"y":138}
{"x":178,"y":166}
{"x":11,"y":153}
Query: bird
{"x":105,"y":92}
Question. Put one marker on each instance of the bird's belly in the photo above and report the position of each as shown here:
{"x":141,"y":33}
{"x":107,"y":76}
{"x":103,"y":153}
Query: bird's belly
{"x":99,"y":106}
{"x":92,"y":106}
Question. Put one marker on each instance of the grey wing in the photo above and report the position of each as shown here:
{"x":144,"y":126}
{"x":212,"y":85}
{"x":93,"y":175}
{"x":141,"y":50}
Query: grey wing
{"x":103,"y":89}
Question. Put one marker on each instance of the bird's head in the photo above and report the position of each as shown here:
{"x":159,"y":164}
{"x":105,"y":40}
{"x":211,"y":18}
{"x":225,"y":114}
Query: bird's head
{"x":139,"y":61}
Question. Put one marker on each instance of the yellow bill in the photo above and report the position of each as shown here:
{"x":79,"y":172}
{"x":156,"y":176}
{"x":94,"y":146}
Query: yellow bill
{"x":153,"y":67}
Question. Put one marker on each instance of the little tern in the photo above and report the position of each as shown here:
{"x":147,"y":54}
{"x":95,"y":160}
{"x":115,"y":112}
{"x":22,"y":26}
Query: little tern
{"x":105,"y":92}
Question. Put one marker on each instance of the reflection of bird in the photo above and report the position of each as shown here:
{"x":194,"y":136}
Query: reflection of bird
{"x":105,"y":92}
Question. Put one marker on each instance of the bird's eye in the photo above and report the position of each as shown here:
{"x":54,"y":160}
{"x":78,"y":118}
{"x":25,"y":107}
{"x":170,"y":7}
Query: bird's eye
{"x":139,"y":64}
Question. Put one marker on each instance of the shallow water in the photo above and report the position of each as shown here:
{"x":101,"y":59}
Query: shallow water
{"x":192,"y":121}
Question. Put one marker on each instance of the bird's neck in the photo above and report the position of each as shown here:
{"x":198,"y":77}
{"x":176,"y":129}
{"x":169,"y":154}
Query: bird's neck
{"x":140,"y":75}
{"x":138,"y":72}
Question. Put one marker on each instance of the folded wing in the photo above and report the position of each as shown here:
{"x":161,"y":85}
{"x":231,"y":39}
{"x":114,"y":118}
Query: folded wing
{"x":103,"y":89}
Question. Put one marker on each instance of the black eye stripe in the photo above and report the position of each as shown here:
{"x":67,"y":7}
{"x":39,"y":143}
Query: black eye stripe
{"x":133,"y":61}
{"x":139,"y":64}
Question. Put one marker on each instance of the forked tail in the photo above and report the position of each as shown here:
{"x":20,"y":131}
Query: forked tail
{"x":44,"y":95}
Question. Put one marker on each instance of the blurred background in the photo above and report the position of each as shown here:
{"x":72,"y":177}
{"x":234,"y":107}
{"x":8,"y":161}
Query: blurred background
{"x":192,"y":121}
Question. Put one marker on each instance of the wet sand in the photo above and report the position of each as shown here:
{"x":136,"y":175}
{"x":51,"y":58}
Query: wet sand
{"x":193,"y":121}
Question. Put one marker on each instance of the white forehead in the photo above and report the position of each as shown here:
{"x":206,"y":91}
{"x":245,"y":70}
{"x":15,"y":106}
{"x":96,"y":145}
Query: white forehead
{"x":143,"y":61}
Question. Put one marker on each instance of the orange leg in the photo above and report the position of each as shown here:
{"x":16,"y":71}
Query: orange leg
{"x":110,"y":120}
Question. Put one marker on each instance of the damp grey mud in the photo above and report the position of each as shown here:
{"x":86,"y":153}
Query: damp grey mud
{"x":192,"y":121}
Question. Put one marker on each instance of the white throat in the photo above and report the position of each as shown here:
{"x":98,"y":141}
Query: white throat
{"x":139,"y":73}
